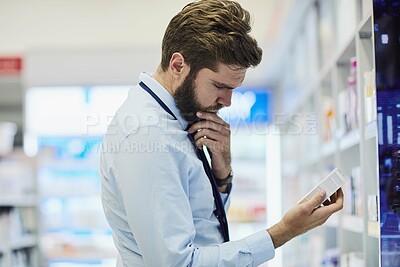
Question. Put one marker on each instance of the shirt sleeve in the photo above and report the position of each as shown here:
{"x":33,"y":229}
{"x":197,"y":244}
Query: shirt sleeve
{"x":159,"y":212}
{"x":226,"y":198}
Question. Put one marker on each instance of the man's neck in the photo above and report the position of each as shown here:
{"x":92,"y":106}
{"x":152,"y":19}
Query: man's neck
{"x":164,"y":79}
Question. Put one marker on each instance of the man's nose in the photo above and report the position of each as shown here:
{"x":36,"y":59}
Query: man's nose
{"x":225,"y":97}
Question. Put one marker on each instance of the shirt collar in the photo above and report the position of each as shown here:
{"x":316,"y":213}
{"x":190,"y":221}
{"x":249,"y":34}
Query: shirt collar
{"x":164,"y":95}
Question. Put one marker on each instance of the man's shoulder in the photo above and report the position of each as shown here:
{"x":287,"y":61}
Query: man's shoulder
{"x":139,"y":111}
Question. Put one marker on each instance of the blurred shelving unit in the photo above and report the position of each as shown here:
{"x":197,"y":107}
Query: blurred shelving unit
{"x":73,"y":228}
{"x":248,"y":116}
{"x":19,"y":241}
{"x":247,"y":211}
{"x":345,"y":130}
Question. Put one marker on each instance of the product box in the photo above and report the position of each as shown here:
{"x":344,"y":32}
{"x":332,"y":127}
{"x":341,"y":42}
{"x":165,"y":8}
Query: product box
{"x":373,"y":207}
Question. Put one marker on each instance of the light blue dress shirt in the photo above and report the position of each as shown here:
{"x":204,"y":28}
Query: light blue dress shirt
{"x":155,"y":193}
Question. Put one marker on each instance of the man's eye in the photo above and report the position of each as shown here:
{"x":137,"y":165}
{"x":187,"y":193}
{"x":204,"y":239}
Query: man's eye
{"x":218,"y":87}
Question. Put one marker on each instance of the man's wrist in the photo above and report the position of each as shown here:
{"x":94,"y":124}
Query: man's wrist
{"x":226,"y":180}
{"x":278,"y":234}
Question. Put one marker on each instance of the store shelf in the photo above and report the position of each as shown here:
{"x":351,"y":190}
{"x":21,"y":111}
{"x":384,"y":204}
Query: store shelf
{"x":75,"y":194}
{"x":23,"y":242}
{"x":334,"y":88}
{"x":105,"y":230}
{"x":365,"y":26}
{"x":20,"y":242}
{"x":371,"y":130}
{"x":18,"y":201}
{"x":80,"y":253}
{"x":353,"y":223}
{"x":347,"y":51}
{"x":349,"y":140}
{"x":67,"y":164}
{"x":328,"y":148}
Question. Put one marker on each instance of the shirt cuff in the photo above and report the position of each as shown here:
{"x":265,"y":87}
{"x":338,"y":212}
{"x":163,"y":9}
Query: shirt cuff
{"x":261,"y":247}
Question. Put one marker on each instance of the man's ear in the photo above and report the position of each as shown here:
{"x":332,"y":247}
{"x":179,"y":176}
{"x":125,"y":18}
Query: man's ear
{"x":178,"y":66}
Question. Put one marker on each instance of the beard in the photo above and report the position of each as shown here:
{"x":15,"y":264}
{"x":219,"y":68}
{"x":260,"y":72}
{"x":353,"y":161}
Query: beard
{"x":187,"y":101}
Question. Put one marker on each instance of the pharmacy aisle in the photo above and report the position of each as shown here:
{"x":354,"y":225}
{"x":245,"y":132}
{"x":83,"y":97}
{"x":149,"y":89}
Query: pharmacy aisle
{"x":342,"y":111}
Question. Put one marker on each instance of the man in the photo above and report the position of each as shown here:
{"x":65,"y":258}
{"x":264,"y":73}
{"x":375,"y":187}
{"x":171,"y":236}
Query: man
{"x":165,"y":204}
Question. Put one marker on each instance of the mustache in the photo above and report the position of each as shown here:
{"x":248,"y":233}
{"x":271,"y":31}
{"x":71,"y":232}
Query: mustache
{"x":214,"y":109}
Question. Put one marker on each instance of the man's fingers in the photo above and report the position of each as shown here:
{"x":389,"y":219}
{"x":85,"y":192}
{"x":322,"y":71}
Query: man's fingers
{"x":337,"y":204}
{"x":199,"y":126}
{"x":317,"y":199}
{"x":216,"y":136}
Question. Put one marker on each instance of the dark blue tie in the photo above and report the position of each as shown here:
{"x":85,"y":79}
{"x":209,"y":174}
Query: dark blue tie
{"x":220,"y":210}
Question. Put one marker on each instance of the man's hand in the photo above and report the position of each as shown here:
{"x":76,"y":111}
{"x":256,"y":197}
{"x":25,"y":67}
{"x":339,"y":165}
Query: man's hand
{"x":304,"y":217}
{"x":215,"y":134}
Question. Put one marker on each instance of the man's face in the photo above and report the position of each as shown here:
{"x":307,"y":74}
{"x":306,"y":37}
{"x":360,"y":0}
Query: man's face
{"x":208,"y":91}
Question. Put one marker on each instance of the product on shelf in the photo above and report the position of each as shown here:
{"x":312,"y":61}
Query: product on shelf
{"x":328,"y":119}
{"x":341,"y":113}
{"x":331,"y":257}
{"x":370,"y":96}
{"x":248,"y":212}
{"x":347,"y":103}
{"x":353,"y":202}
{"x":357,"y":208}
{"x":352,"y":107}
{"x":373,"y":207}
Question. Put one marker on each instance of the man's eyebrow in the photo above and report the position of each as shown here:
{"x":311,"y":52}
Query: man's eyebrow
{"x":219,"y":84}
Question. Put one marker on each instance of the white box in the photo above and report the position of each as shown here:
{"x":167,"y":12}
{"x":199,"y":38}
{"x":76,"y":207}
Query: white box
{"x":330,"y":184}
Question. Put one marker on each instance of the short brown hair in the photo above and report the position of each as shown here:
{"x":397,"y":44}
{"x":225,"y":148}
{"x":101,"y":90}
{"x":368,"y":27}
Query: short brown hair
{"x":208,"y":32}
